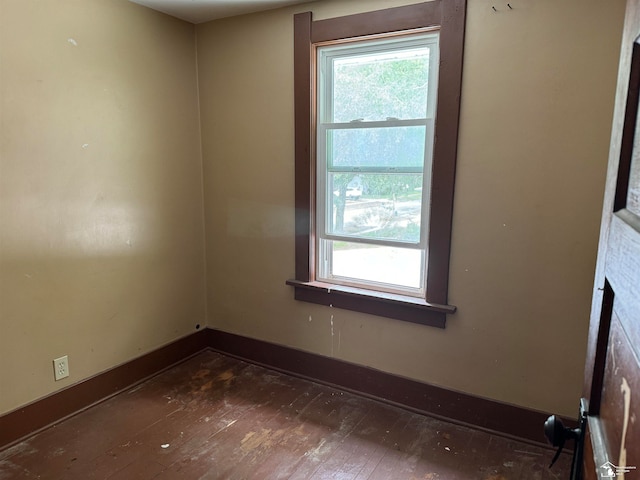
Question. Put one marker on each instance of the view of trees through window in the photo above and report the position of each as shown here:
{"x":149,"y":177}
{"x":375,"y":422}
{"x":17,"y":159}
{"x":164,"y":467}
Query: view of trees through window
{"x":374,"y":137}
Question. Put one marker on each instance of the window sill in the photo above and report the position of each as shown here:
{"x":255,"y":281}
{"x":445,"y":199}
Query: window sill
{"x":399,"y":307}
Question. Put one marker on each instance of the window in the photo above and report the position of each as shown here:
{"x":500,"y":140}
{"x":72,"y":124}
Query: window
{"x":377,"y":106}
{"x":374,"y":142}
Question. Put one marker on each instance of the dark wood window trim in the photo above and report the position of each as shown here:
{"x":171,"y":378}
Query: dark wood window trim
{"x":449,"y":16}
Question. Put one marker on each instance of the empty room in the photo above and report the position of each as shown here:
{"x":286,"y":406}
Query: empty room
{"x":290,"y":239}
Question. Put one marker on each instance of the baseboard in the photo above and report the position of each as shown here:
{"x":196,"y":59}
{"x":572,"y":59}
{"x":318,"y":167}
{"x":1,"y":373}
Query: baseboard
{"x":489,"y":415}
{"x":46,"y":411}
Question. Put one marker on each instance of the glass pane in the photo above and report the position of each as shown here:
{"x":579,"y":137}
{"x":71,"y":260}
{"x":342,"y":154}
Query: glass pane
{"x":378,"y":206}
{"x":372,"y":263}
{"x":393,"y":147}
{"x":374,"y":86}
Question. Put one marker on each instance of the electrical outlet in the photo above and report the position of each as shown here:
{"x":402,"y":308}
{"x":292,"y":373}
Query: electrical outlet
{"x":61,"y":368}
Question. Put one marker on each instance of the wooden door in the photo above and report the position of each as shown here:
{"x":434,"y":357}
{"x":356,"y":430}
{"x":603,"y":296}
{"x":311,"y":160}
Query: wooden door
{"x":611,"y":392}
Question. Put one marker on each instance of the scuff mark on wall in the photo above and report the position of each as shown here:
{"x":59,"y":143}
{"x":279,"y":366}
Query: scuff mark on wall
{"x":72,"y":42}
{"x":332,"y":334}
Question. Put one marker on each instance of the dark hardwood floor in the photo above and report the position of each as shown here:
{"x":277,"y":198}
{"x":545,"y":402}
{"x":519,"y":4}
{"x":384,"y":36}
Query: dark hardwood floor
{"x":217,"y":417}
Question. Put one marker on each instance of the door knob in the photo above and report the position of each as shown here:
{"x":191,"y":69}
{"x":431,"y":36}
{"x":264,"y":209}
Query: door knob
{"x":557,"y":434}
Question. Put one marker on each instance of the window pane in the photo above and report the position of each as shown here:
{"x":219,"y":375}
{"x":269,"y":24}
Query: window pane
{"x":375,"y":123}
{"x":374,"y":86}
{"x":392,"y":147}
{"x":380,"y":264}
{"x":376,"y":206}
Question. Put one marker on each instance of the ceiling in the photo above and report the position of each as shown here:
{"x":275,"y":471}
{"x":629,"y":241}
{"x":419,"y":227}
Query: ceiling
{"x":199,"y":11}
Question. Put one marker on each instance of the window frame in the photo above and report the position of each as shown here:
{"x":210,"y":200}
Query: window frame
{"x":325,"y":55}
{"x":449,"y":17}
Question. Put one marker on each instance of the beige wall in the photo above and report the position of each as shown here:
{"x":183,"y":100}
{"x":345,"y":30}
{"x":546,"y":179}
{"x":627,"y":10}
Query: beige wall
{"x":537,"y":103}
{"x":101,"y":251}
{"x":101,"y":236}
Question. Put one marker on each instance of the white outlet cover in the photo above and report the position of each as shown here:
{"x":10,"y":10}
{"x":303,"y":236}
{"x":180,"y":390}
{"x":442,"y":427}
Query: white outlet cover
{"x":61,"y":368}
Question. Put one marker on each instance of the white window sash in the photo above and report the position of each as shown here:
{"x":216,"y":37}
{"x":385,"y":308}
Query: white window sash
{"x":324,"y":197}
{"x":323,"y":205}
{"x":324,"y":274}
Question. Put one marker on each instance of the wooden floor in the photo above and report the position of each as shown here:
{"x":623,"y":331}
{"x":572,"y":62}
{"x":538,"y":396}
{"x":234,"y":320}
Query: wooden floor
{"x":216,"y":417}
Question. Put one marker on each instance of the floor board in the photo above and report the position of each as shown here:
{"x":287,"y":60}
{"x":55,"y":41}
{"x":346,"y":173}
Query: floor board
{"x":215,"y":417}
